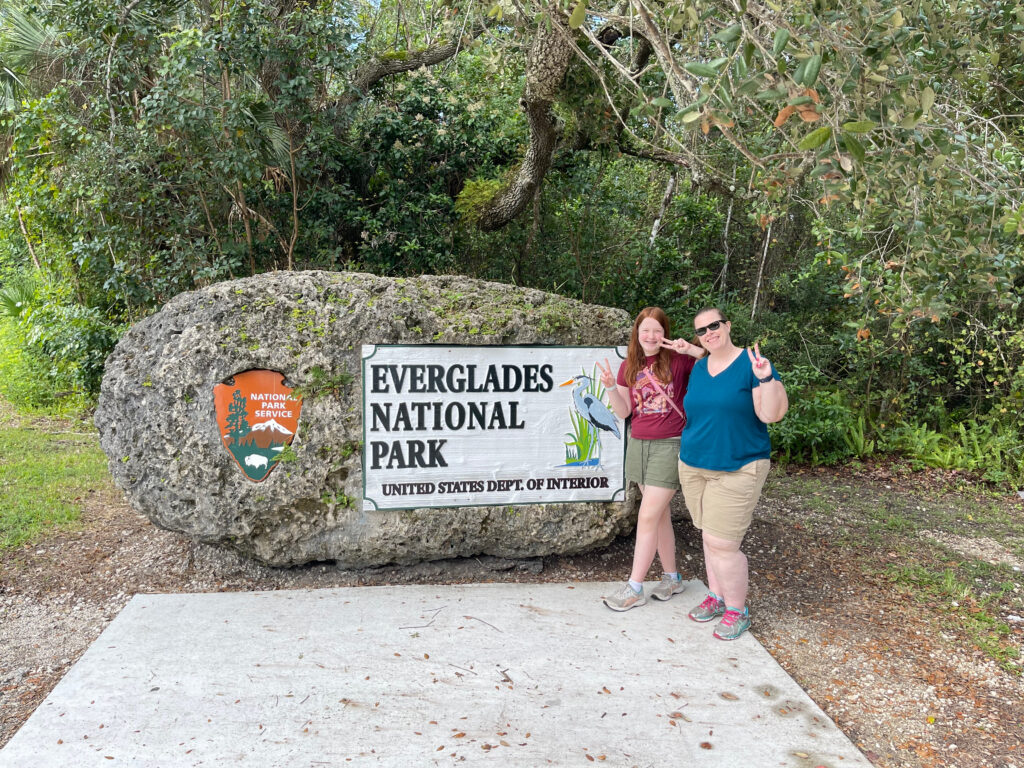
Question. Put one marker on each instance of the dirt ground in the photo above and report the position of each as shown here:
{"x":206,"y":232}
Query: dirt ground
{"x":839,"y":596}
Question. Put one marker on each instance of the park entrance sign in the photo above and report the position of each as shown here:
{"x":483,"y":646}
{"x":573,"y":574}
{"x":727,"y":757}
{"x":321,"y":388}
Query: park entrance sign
{"x":471,"y":447}
{"x":449,"y":426}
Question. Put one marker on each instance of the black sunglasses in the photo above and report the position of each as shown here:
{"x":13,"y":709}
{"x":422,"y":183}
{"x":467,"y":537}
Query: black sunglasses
{"x":709,"y":327}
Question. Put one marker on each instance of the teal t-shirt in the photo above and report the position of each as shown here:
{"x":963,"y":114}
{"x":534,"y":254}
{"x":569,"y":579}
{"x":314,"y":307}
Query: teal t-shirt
{"x":722,"y":431}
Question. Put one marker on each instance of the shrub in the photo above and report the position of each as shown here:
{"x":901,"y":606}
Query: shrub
{"x":819,"y":423}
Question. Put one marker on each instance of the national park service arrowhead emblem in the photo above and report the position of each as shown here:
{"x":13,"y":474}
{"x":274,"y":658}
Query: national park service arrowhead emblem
{"x":257,"y":416}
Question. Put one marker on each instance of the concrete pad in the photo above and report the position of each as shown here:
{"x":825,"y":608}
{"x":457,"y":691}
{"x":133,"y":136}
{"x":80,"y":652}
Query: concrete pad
{"x":504,"y":674}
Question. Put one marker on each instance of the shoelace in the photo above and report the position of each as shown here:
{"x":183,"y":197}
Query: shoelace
{"x":709,"y":602}
{"x":731,"y":617}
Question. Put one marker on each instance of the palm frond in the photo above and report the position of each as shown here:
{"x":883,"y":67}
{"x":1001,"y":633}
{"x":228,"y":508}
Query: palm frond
{"x":16,"y":296}
{"x":28,"y":51}
{"x":273,"y":135}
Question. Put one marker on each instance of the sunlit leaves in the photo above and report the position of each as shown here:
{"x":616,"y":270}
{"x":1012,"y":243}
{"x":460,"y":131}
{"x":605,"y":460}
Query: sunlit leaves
{"x":816,"y":138}
{"x":860,"y":126}
{"x":579,"y":15}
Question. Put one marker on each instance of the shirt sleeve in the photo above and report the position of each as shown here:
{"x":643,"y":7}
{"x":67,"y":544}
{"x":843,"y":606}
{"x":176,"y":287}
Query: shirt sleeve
{"x":621,"y":378}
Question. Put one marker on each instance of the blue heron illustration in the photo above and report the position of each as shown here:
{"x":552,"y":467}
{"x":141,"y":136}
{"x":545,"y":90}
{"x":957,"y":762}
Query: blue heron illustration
{"x":592,"y":414}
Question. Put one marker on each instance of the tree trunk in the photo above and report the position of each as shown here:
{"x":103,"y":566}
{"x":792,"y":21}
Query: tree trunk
{"x":546,"y":65}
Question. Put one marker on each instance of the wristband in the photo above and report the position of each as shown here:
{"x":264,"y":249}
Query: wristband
{"x":766,"y":379}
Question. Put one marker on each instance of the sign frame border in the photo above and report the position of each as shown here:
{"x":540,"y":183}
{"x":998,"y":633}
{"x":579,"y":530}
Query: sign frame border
{"x":366,"y":500}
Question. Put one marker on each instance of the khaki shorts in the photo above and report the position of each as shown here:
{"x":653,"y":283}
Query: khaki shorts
{"x":722,"y":503}
{"x":653,"y":462}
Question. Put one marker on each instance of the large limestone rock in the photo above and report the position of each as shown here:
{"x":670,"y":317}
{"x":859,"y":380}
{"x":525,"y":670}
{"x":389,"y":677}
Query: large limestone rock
{"x":158,"y":427}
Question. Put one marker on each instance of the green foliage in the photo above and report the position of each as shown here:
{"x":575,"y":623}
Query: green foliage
{"x":987,"y":446}
{"x":847,"y":186}
{"x":819,"y":425}
{"x":17,"y":296}
{"x":24,"y":379}
{"x":77,"y":340}
{"x":41,"y":476}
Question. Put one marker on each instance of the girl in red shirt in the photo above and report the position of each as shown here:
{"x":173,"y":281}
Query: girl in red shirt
{"x":649,"y":388}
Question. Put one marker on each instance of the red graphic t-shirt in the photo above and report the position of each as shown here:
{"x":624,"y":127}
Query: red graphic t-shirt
{"x":653,"y":417}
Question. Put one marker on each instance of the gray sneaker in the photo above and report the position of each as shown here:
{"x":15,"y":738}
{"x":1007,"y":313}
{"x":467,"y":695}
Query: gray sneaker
{"x":668,"y":587}
{"x":733,"y":624}
{"x":710,"y":608}
{"x":625,"y":599}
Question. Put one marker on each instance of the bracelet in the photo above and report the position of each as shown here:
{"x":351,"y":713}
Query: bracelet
{"x":766,"y":379}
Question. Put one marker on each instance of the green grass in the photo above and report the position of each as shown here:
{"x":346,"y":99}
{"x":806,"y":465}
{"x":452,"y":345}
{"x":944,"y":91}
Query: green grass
{"x":947,"y":594}
{"x":42,"y":477}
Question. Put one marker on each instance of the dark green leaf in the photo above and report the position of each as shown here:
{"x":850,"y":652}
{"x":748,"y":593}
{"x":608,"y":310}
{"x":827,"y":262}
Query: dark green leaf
{"x":854,"y":147}
{"x":729,"y":34}
{"x":781,"y":38}
{"x":700,"y":69}
{"x":810,"y":75}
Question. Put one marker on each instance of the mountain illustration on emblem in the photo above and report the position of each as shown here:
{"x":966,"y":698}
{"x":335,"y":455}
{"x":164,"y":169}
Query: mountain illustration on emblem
{"x":267,"y":434}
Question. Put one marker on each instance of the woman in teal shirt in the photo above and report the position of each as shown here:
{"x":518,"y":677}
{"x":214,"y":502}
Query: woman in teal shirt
{"x":733,"y":394}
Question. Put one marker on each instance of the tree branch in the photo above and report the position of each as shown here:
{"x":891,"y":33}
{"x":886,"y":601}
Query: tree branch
{"x":375,"y":70}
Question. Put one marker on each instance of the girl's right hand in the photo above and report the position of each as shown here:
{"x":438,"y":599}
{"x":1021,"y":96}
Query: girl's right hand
{"x":607,"y":378}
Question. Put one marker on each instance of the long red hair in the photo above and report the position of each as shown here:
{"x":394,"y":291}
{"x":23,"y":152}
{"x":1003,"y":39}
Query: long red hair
{"x":636,"y":360}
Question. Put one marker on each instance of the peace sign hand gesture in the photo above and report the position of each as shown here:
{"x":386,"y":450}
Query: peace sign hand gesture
{"x":759,"y":365}
{"x":683,"y":347}
{"x":607,"y":378}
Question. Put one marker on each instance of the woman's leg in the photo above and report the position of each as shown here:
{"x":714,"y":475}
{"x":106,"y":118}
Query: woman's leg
{"x":653,"y":507}
{"x":667,"y":541}
{"x":727,"y":570}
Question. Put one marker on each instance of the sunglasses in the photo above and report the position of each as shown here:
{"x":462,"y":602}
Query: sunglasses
{"x":709,"y":327}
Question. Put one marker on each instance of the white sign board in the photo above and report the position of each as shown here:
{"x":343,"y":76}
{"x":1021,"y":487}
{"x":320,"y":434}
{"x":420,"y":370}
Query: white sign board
{"x":484,"y":426}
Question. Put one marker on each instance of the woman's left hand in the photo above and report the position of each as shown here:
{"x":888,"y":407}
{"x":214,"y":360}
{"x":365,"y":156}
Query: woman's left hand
{"x":683,"y":347}
{"x":759,"y":365}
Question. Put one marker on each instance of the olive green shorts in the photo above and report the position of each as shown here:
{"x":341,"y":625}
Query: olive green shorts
{"x":653,"y":462}
{"x":722,"y":503}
